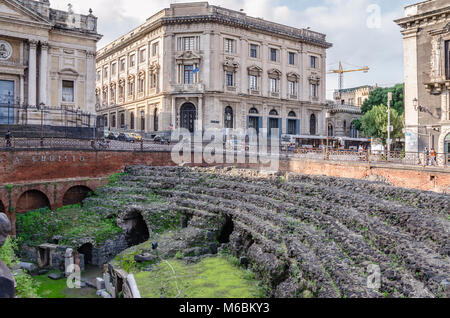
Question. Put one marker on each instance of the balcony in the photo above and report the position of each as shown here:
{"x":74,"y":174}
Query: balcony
{"x":188,"y":88}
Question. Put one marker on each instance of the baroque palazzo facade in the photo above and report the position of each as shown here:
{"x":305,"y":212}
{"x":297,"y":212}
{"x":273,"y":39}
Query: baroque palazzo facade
{"x":426,"y":41}
{"x":199,"y":66}
{"x":47,"y":60}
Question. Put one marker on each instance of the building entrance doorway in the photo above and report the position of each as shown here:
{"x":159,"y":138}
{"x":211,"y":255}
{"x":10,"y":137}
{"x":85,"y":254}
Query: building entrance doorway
{"x":6,"y":102}
{"x":187,"y":117}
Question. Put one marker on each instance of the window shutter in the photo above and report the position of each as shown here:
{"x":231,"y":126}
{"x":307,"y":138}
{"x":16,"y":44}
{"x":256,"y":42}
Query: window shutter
{"x":297,"y":127}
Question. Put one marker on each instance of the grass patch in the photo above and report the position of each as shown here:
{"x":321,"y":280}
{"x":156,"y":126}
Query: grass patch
{"x":70,"y":222}
{"x":213,"y":277}
{"x":49,"y":288}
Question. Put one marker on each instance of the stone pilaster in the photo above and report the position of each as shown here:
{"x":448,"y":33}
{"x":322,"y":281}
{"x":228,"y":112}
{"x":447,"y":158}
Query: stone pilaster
{"x":43,"y":74}
{"x":32,"y":73}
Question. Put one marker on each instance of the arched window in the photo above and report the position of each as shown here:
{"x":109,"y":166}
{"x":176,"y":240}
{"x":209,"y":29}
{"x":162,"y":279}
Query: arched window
{"x":122,"y":120}
{"x":330,"y":130}
{"x":228,"y":117}
{"x":113,"y":121}
{"x":353,"y":131}
{"x":292,"y":114}
{"x":142,"y":120}
{"x":312,"y":124}
{"x":447,"y":144}
{"x":131,"y":120}
{"x":156,"y":120}
{"x":253,"y":110}
{"x":345,"y":127}
{"x":273,"y":112}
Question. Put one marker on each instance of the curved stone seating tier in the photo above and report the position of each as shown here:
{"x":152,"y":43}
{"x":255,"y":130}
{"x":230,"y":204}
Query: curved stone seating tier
{"x":305,"y":233}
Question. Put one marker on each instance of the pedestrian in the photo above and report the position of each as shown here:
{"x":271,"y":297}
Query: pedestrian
{"x":433,"y":157}
{"x":426,"y":156}
{"x":8,"y":137}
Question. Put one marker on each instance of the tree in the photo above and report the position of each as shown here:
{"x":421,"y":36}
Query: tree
{"x":380,"y":95}
{"x":374,"y":123}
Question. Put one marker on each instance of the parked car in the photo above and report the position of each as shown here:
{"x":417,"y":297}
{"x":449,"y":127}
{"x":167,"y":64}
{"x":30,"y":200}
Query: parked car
{"x":112,"y":136}
{"x":162,"y":139}
{"x":137,"y":137}
{"x":126,"y":137}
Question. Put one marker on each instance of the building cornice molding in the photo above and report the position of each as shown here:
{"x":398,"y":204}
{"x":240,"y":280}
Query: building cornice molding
{"x":305,"y":36}
{"x":414,"y":20}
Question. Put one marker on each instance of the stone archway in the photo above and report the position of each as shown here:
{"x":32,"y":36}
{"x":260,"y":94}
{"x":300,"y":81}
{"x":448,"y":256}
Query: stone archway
{"x":188,"y":115}
{"x":135,"y":228}
{"x":76,"y":194}
{"x":32,"y":200}
{"x":2,"y":207}
{"x":86,"y":250}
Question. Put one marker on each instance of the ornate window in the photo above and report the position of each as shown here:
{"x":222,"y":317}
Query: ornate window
{"x":112,"y":92}
{"x":313,"y":61}
{"x":121,"y":88}
{"x":312,"y":125}
{"x":229,"y":46}
{"x":330,"y":130}
{"x":291,"y":58}
{"x":254,"y":48}
{"x":253,"y":110}
{"x":122,"y":120}
{"x":228,"y":117}
{"x":188,"y":74}
{"x":131,"y":120}
{"x":273,"y":55}
{"x":353,"y":131}
{"x":68,"y":91}
{"x":131,"y":85}
{"x":141,"y":83}
{"x":292,"y":114}
{"x":142,"y":120}
{"x":113,"y":121}
{"x":273,"y":112}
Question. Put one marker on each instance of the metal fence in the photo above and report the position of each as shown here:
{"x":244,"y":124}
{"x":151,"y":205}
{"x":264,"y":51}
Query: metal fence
{"x":399,"y":158}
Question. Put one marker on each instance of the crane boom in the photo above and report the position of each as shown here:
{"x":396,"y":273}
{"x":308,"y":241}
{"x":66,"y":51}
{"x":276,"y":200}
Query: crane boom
{"x":341,"y":72}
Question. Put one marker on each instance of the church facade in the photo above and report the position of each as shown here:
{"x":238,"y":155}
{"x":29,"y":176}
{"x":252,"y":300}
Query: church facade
{"x":198,"y":66}
{"x":426,"y":41}
{"x":47,"y":61}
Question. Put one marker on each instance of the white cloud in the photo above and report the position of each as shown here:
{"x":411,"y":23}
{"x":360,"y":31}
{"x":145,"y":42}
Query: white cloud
{"x":343,"y":21}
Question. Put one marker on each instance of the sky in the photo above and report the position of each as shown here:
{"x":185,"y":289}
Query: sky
{"x":362,"y":31}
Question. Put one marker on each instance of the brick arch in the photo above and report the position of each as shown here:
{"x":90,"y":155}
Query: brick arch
{"x":32,"y":200}
{"x":75,"y":194}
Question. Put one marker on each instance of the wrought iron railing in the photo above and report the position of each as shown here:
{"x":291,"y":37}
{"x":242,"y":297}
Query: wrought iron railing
{"x":393,"y":157}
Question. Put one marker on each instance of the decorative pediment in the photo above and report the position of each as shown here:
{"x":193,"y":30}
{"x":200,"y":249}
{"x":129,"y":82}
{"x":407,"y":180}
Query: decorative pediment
{"x":105,"y":89}
{"x":122,"y":82}
{"x":314,"y":79}
{"x":141,"y":74}
{"x":188,"y":56}
{"x":131,"y":78}
{"x":230,"y":66}
{"x":274,"y":73}
{"x":255,"y":70}
{"x":68,"y":72}
{"x":15,"y":10}
{"x":154,"y":68}
{"x":293,"y":76}
{"x":112,"y":84}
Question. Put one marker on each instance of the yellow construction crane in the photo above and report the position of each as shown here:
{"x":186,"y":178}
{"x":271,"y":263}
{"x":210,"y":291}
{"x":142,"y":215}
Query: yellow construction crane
{"x":341,"y":72}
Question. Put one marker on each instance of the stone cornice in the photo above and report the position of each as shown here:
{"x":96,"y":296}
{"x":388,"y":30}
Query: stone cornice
{"x":305,"y":36}
{"x":414,"y":20}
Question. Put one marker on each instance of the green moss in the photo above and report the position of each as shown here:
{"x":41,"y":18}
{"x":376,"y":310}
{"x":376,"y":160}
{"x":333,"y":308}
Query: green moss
{"x":213,"y":277}
{"x":116,"y":177}
{"x":49,"y":288}
{"x":70,"y":222}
